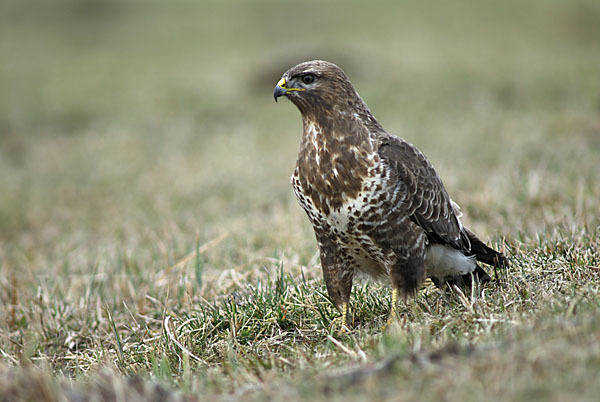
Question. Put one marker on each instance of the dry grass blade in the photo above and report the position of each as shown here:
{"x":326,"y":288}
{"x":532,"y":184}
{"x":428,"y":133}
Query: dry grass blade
{"x":171,"y":336}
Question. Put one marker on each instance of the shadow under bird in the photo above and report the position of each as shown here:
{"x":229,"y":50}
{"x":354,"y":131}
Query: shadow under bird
{"x":377,"y":205}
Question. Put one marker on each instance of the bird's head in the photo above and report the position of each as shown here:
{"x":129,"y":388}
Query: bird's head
{"x":316,"y":86}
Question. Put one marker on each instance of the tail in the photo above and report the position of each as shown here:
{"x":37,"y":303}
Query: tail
{"x":484,"y":253}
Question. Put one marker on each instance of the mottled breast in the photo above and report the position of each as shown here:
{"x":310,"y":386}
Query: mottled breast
{"x":348,"y":223}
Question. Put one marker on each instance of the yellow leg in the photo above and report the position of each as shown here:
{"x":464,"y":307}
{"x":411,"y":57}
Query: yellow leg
{"x":344,"y":314}
{"x":394,"y":309}
{"x":343,"y":324}
{"x":341,"y":320}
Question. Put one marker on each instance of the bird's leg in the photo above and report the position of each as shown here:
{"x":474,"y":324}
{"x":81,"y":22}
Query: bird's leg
{"x":406,"y":275}
{"x":338,"y":280}
{"x":344,"y":317}
{"x":341,"y":321}
{"x":394,"y":309}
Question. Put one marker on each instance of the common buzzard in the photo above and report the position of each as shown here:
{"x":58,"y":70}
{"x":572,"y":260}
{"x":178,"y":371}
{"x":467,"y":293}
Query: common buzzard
{"x":376,"y":203}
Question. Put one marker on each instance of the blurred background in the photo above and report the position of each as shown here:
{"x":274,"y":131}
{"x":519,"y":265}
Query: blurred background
{"x":130,"y":130}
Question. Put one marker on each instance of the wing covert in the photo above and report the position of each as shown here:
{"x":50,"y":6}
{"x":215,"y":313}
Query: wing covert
{"x":426,"y":200}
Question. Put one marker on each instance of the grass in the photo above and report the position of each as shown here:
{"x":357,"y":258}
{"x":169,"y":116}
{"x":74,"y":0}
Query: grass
{"x":150,"y":244}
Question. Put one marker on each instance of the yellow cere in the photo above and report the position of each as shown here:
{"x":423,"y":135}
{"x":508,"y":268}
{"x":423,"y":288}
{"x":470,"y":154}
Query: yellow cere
{"x":282,"y":83}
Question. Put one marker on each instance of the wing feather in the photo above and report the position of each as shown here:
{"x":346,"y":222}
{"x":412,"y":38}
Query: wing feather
{"x":427,"y":202}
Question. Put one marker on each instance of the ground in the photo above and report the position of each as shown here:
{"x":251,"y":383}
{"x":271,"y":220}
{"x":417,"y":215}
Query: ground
{"x":150,"y":242}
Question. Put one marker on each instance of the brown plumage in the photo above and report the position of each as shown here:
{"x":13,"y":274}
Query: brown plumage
{"x":376,"y":203}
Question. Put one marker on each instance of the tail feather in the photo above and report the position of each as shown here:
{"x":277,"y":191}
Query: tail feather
{"x":484,"y":253}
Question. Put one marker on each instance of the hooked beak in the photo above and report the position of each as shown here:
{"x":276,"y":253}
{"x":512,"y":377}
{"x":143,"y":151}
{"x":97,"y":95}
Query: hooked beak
{"x":282,"y":89}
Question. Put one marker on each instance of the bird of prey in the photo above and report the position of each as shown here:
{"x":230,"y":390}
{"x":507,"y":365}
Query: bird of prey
{"x":376,"y":203}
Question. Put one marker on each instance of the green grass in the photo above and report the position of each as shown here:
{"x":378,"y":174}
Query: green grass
{"x":150,"y":243}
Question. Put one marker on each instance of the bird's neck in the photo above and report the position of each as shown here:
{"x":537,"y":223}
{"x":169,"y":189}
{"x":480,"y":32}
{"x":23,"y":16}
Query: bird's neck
{"x":338,"y":131}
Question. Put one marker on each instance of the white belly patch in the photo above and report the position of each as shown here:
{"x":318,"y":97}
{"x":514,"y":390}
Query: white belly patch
{"x":443,"y":261}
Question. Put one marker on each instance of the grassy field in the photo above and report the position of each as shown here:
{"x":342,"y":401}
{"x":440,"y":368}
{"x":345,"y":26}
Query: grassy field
{"x":151,"y":246}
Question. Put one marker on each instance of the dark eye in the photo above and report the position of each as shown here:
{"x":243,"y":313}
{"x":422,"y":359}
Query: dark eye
{"x":308,"y":78}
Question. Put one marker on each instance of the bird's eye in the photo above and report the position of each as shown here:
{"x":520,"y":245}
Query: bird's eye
{"x":308,"y":78}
